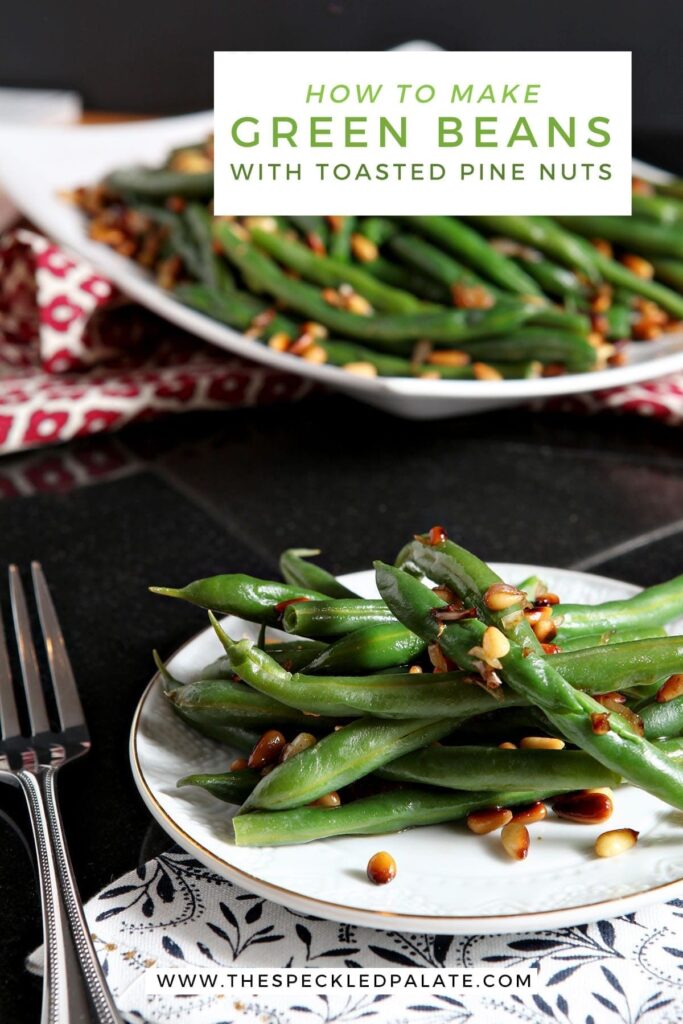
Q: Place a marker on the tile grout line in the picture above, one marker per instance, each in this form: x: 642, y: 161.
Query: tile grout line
x: 641, y: 540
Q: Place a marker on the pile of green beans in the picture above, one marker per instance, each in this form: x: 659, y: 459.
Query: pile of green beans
x: 437, y: 297
x: 376, y: 714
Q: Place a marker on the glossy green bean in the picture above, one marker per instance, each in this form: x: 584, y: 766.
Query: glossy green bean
x: 160, y: 184
x: 333, y: 617
x: 665, y: 719
x: 340, y: 758
x: 341, y: 353
x: 482, y: 768
x: 610, y: 636
x: 237, y: 594
x: 543, y: 234
x: 662, y: 209
x: 292, y: 654
x: 236, y: 308
x: 212, y: 270
x: 532, y: 675
x: 446, y: 695
x: 544, y: 345
x: 457, y: 238
x: 378, y: 229
x: 654, y: 606
x: 396, y: 332
x: 410, y: 280
x: 553, y: 278
x: 299, y: 572
x: 340, y: 239
x: 328, y: 272
x: 369, y: 649
x: 374, y: 815
x: 313, y: 228
x: 638, y: 236
x: 621, y: 666
x: 670, y: 272
x: 231, y: 787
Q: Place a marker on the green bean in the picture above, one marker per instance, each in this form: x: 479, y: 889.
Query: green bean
x: 532, y: 675
x: 392, y: 332
x: 368, y: 649
x: 663, y: 209
x: 670, y: 188
x: 429, y: 259
x: 620, y: 276
x: 464, y: 242
x: 333, y: 617
x: 236, y: 594
x: 445, y: 695
x: 340, y: 239
x: 553, y: 278
x: 314, y: 230
x: 232, y: 787
x: 619, y: 321
x: 541, y: 344
x: 378, y: 229
x: 654, y: 606
x: 610, y: 636
x: 211, y: 269
x: 341, y: 758
x: 300, y: 573
x: 160, y: 184
x: 543, y: 234
x: 341, y: 353
x: 217, y: 703
x: 621, y: 666
x: 665, y: 719
x: 670, y: 272
x: 293, y: 655
x: 533, y: 586
x: 409, y: 280
x: 324, y: 270
x: 235, y: 308
x: 481, y: 768
x: 374, y: 815
x: 636, y: 235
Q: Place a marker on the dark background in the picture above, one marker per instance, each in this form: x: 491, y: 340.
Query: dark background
x: 154, y: 57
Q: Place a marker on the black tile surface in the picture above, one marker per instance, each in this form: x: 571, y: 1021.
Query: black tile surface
x: 187, y: 497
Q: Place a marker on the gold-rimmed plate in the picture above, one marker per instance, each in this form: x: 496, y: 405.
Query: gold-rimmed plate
x: 448, y: 881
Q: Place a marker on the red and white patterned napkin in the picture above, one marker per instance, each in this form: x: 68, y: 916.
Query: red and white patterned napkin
x: 76, y: 358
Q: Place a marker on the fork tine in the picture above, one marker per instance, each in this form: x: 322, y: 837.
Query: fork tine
x: 9, y: 717
x: 27, y: 655
x: 68, y: 701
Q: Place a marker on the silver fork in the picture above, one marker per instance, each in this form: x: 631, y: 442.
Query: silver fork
x: 74, y: 988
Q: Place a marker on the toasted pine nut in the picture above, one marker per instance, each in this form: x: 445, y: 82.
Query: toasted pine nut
x: 315, y: 329
x: 482, y: 371
x: 619, y: 840
x: 673, y: 687
x: 495, y: 644
x: 361, y: 369
x: 507, y: 746
x: 239, y: 764
x: 515, y: 839
x: 268, y: 224
x: 541, y: 743
x: 381, y: 868
x: 329, y: 800
x: 267, y: 750
x: 531, y: 814
x: 471, y: 296
x: 415, y: 670
x: 331, y: 297
x: 315, y: 354
x: 584, y: 807
x: 603, y: 246
x: 280, y: 341
x: 302, y: 741
x: 638, y: 266
x: 600, y: 723
x: 488, y: 819
x: 359, y: 305
x: 500, y: 596
x: 437, y: 658
x: 448, y: 357
x: 364, y: 249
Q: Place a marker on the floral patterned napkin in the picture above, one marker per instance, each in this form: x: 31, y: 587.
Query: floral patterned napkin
x: 174, y: 913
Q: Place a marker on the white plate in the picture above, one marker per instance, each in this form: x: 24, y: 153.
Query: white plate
x: 36, y: 164
x: 448, y: 881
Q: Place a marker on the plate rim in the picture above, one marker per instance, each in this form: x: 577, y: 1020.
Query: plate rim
x: 458, y: 924
x: 392, y: 389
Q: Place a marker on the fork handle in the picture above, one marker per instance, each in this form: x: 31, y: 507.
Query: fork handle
x: 74, y: 988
